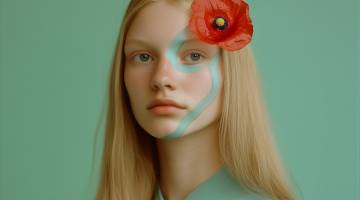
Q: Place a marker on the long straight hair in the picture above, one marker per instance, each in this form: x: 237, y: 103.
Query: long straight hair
x: 129, y: 162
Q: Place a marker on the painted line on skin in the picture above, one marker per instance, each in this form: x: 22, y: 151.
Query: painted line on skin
x: 159, y: 195
x: 213, y: 68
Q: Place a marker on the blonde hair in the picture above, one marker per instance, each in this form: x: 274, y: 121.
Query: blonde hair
x: 129, y: 165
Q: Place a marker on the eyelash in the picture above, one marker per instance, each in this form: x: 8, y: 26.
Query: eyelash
x: 201, y: 54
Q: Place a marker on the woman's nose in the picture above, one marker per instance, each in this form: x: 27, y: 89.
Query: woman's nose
x: 163, y: 76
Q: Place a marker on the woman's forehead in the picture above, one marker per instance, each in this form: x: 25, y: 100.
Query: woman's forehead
x: 158, y: 22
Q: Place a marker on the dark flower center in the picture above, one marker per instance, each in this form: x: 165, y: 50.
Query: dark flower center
x: 220, y: 23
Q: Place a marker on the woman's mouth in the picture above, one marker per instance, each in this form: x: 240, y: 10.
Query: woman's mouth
x: 165, y: 109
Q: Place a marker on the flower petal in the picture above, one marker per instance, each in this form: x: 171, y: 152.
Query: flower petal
x: 238, y: 31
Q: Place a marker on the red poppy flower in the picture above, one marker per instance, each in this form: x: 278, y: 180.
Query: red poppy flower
x: 223, y: 22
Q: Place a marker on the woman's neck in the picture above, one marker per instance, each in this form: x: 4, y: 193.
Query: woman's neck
x: 188, y: 161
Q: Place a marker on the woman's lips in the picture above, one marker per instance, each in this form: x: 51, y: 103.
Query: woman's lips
x: 165, y: 109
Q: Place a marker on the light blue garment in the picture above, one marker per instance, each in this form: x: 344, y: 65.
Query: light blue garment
x: 220, y: 186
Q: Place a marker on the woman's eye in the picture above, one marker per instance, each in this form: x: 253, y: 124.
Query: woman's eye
x: 193, y: 58
x: 142, y: 58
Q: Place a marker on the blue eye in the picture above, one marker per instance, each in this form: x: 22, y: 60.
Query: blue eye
x: 193, y: 58
x: 143, y: 58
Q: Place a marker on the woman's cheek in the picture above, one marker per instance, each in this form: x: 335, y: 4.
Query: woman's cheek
x: 198, y: 84
x: 132, y: 77
x: 131, y: 84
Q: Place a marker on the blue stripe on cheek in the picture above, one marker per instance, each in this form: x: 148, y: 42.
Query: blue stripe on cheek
x: 204, y: 103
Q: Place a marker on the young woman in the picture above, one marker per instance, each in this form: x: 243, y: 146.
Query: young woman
x: 185, y: 117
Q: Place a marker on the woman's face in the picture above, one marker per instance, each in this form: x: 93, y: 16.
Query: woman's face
x: 165, y: 62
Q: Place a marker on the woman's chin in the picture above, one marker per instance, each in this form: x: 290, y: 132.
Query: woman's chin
x: 161, y: 130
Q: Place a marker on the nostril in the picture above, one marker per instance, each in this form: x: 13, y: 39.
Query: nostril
x: 163, y: 84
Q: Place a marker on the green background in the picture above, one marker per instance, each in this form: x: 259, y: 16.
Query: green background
x: 54, y: 61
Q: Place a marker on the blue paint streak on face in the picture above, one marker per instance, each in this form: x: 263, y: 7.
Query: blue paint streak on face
x: 213, y: 68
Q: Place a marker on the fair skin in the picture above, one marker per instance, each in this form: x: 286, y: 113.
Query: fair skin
x: 193, y: 157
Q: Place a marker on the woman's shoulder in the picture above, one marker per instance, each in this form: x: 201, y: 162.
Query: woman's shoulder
x: 223, y: 186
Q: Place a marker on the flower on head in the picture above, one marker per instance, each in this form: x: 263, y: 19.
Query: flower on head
x: 223, y: 22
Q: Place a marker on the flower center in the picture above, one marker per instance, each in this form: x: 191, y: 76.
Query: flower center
x: 220, y: 23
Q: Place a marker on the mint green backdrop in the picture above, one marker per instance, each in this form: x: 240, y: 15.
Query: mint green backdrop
x: 54, y: 61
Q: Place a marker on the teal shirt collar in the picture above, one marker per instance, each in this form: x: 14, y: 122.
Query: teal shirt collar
x: 222, y: 185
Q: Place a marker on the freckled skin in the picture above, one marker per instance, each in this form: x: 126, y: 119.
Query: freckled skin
x: 205, y: 102
x: 196, y: 85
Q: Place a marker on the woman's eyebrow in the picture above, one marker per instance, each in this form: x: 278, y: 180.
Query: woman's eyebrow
x: 144, y: 42
x: 136, y: 41
x: 194, y: 41
x: 133, y: 43
x: 130, y: 42
x: 189, y: 40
